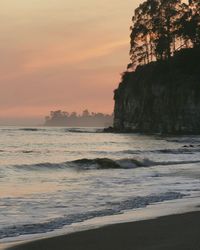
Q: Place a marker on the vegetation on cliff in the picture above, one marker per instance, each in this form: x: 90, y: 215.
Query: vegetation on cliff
x: 161, y: 97
x: 161, y: 90
x: 162, y: 27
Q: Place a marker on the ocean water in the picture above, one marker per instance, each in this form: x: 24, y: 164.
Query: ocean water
x: 51, y: 178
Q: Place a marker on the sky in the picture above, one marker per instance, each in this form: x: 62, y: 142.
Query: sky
x: 61, y: 54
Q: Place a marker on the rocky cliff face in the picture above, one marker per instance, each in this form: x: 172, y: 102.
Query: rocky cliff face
x: 161, y: 97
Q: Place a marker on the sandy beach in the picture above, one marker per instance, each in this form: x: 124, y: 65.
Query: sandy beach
x: 174, y: 232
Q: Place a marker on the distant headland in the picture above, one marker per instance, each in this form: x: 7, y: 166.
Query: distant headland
x: 160, y: 91
x: 86, y: 119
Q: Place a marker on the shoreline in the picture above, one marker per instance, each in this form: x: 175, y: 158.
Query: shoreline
x: 179, y: 231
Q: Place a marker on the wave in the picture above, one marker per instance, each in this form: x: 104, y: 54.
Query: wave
x: 91, y: 164
x: 24, y: 151
x: 101, y: 164
x: 186, y: 149
x: 182, y: 139
x: 28, y: 151
x: 84, y: 130
x: 112, y: 208
x: 32, y: 129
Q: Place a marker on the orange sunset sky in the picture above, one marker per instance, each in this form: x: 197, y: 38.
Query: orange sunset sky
x: 61, y: 54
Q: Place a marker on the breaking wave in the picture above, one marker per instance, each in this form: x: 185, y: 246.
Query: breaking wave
x: 101, y: 163
x: 112, y: 208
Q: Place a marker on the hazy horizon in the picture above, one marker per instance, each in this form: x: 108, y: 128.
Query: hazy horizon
x: 36, y: 121
x: 61, y: 55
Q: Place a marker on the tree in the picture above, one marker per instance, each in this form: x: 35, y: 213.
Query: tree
x: 73, y: 115
x: 86, y: 113
x: 194, y: 22
x: 161, y: 27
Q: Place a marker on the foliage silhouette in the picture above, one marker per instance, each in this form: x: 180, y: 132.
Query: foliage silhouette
x: 162, y: 27
x: 86, y: 119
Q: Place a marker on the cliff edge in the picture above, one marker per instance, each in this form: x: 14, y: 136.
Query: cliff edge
x: 161, y: 97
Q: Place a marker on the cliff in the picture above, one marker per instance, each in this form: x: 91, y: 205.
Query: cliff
x: 161, y: 97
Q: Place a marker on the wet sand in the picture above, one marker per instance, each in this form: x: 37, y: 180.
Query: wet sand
x: 174, y: 232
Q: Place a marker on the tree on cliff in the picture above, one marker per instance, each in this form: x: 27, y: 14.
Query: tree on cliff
x: 161, y: 27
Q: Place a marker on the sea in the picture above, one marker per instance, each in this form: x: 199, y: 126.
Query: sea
x: 59, y: 180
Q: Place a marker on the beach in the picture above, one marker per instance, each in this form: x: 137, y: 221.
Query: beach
x: 174, y: 232
x: 95, y: 155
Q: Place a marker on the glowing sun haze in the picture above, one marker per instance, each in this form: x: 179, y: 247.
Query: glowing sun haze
x: 60, y: 54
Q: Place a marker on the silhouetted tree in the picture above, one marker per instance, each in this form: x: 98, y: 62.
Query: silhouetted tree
x: 86, y: 113
x: 62, y: 118
x: 161, y: 27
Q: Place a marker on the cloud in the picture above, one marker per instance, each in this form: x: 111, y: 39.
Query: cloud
x: 59, y: 55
